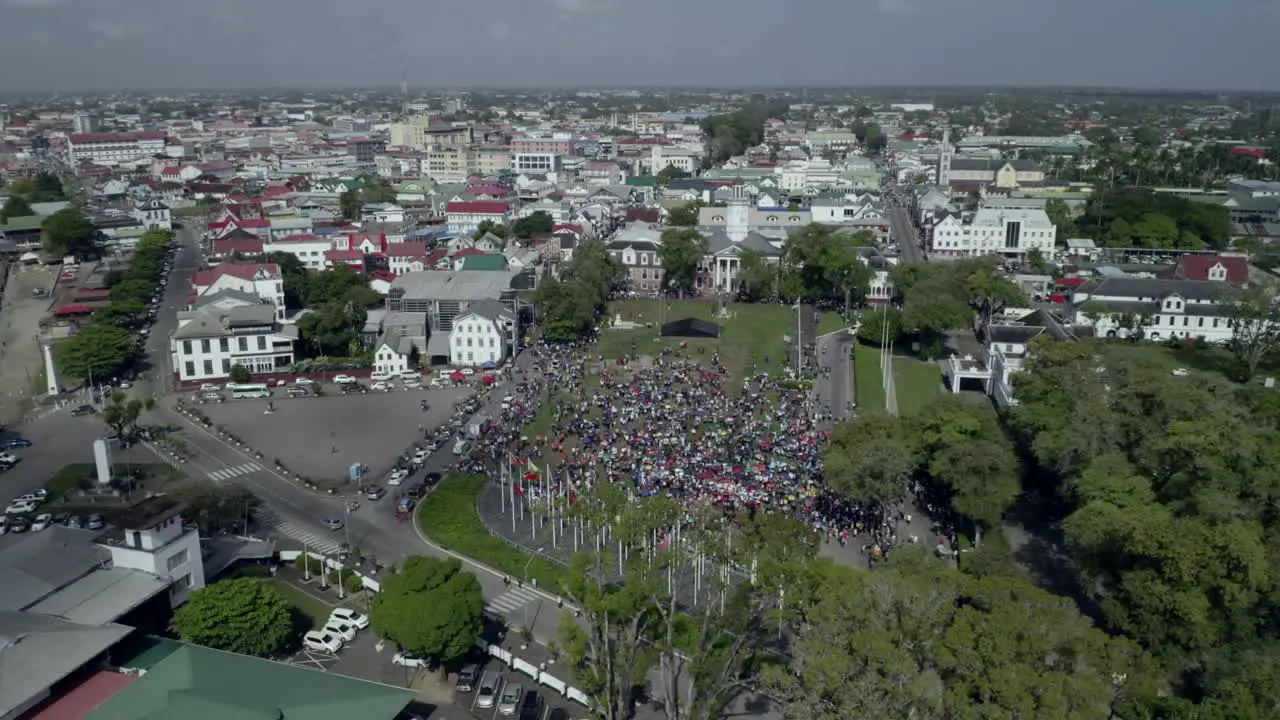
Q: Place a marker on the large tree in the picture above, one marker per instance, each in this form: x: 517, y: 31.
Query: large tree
x: 871, y: 460
x: 430, y: 607
x: 94, y: 351
x: 685, y: 215
x: 122, y: 413
x: 243, y: 616
x: 682, y: 250
x: 69, y: 232
x: 539, y: 222
x: 15, y: 206
x: 1254, y: 315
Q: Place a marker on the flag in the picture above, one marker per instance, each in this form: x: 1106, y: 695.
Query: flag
x: 532, y: 467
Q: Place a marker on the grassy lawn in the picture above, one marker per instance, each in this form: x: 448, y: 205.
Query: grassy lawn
x: 314, y: 608
x: 448, y: 516
x: 866, y: 378
x: 917, y: 384
x: 82, y: 475
x: 753, y: 335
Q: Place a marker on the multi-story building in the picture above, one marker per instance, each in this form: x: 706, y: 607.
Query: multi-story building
x: 981, y: 175
x: 261, y: 280
x: 638, y: 247
x: 553, y: 144
x: 151, y: 537
x: 1008, y: 232
x: 115, y: 148
x: 465, y: 217
x: 226, y: 330
x: 538, y: 163
x: 814, y: 173
x: 309, y: 249
x: 490, y: 160
x: 447, y: 164
x: 153, y: 214
x: 1154, y: 308
x: 482, y: 336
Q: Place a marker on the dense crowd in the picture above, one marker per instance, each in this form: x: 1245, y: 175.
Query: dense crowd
x: 672, y: 425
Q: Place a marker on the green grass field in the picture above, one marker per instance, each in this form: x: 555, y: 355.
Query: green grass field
x: 313, y: 607
x: 754, y: 335
x: 866, y: 378
x: 448, y: 516
x: 917, y: 383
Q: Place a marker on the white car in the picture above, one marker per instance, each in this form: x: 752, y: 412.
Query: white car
x: 8, y: 457
x: 356, y: 619
x: 468, y: 371
x: 397, y: 476
x: 421, y: 455
x: 346, y: 631
x: 4, y: 524
x: 379, y: 376
x: 20, y: 507
x: 303, y: 381
x: 42, y: 521
x: 409, y: 660
x: 322, y: 641
x: 1180, y: 372
x: 344, y: 379
x: 380, y: 387
x: 410, y: 375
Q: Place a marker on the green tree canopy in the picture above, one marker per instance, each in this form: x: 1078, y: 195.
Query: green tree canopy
x: 69, y: 232
x: 122, y: 413
x: 537, y: 223
x: 685, y: 215
x: 94, y: 351
x: 16, y: 206
x: 243, y: 616
x: 682, y: 250
x: 430, y: 607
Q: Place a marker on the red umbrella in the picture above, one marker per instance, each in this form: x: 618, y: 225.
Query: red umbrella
x: 489, y: 379
x: 457, y: 376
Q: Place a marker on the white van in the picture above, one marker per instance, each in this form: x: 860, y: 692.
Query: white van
x: 460, y: 447
x: 380, y: 376
x: 410, y: 375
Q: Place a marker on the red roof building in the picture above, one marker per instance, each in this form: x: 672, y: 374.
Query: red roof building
x: 1230, y: 269
x: 478, y: 207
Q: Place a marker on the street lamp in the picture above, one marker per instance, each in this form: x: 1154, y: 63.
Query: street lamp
x: 525, y: 573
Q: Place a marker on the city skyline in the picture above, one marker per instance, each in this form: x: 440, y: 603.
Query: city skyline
x: 78, y: 46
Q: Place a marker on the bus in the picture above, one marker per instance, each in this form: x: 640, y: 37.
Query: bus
x: 249, y: 390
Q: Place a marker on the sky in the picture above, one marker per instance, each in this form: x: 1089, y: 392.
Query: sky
x: 79, y: 45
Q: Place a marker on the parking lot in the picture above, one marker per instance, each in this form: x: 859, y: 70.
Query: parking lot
x: 368, y: 659
x: 320, y: 437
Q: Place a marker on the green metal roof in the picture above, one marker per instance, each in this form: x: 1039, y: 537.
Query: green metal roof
x: 642, y: 181
x: 196, y: 683
x: 26, y: 222
x: 489, y: 261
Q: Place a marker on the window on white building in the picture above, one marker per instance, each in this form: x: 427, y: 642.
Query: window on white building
x: 186, y: 347
x: 224, y: 345
x: 204, y: 346
x: 181, y: 584
x: 262, y: 342
x: 226, y: 366
x: 208, y: 367
x: 178, y: 559
x: 244, y: 344
x: 191, y: 369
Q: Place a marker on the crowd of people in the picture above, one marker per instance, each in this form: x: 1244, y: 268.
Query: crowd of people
x: 674, y: 425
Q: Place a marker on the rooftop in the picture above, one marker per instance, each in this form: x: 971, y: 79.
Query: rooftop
x: 456, y: 285
x: 37, y: 651
x: 196, y: 683
x: 39, y: 564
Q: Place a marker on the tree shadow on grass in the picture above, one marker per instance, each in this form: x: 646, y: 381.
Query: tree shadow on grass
x: 1043, y: 553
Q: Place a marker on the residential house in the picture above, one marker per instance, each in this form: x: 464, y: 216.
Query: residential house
x: 261, y: 280
x: 483, y: 335
x: 238, y: 245
x: 638, y: 247
x: 309, y: 249
x: 219, y: 335
x: 1005, y: 349
x: 1229, y: 269
x: 407, y: 257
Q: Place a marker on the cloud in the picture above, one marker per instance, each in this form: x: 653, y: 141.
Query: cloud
x: 108, y: 29
x: 583, y: 7
x: 34, y: 3
x: 499, y: 31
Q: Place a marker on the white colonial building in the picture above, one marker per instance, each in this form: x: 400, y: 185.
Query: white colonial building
x: 150, y: 537
x: 1154, y: 308
x: 1005, y: 350
x: 261, y: 280
x: 309, y: 249
x: 1008, y: 232
x: 115, y: 148
x: 483, y: 334
x: 153, y: 214
x: 229, y: 329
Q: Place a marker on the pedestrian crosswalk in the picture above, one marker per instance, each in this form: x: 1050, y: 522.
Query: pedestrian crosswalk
x: 234, y: 471
x: 313, y: 541
x: 512, y: 600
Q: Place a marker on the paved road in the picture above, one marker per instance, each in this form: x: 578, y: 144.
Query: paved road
x: 904, y: 234
x: 835, y: 390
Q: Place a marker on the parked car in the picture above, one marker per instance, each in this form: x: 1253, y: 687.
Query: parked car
x: 4, y: 524
x: 373, y: 492
x: 397, y: 476
x: 96, y: 522
x: 344, y: 379
x: 488, y: 692
x: 409, y: 660
x: 296, y: 391
x: 417, y: 492
x: 17, y: 442
x: 42, y: 521
x: 19, y: 524
x: 346, y: 631
x: 380, y: 376
x: 62, y: 519
x: 83, y: 410
x: 321, y: 641
x: 21, y: 507
x: 531, y: 708
x: 380, y: 387
x: 303, y: 381
x: 358, y: 620
x: 467, y: 679
x: 510, y: 700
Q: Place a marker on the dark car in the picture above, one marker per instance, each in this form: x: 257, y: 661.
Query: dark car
x: 417, y: 492
x: 62, y: 519
x: 375, y: 492
x: 467, y: 679
x: 17, y: 442
x: 531, y: 709
x: 76, y: 522
x: 84, y: 410
x: 95, y: 522
x: 432, y: 478
x: 558, y: 714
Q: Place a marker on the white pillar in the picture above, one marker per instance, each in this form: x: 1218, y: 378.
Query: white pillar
x: 50, y: 370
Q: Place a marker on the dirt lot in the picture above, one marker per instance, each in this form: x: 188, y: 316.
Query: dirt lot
x: 21, y: 362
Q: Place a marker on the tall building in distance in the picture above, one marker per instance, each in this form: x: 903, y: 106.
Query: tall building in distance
x: 944, y: 159
x: 83, y: 123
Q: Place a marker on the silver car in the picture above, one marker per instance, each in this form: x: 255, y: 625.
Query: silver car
x: 510, y: 701
x: 488, y: 691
